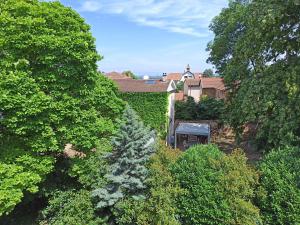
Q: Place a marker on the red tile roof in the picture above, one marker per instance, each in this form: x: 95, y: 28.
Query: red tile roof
x: 192, y: 82
x: 177, y: 76
x: 213, y: 82
x: 174, y: 76
x: 131, y: 85
x: 115, y: 76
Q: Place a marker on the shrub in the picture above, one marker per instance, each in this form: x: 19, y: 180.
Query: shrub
x: 206, y: 109
x: 159, y: 207
x: 280, y: 181
x: 219, y: 187
x: 72, y: 208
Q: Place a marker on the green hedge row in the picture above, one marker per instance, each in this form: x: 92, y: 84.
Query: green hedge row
x: 151, y: 107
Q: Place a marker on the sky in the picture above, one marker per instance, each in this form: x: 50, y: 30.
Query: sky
x: 150, y: 37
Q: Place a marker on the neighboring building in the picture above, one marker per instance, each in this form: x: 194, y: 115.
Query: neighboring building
x: 131, y: 85
x: 210, y: 86
x: 187, y: 74
x: 213, y: 87
x: 192, y: 88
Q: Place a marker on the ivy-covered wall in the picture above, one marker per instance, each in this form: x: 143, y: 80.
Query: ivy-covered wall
x: 151, y: 107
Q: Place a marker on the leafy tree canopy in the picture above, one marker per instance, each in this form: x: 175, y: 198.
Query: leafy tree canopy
x: 280, y: 199
x: 128, y: 73
x: 208, y: 73
x: 256, y: 48
x: 219, y: 188
x: 51, y: 92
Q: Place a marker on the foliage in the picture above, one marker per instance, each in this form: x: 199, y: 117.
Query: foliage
x: 91, y: 169
x: 256, y: 49
x: 280, y: 203
x: 23, y: 175
x: 206, y: 109
x: 133, y: 145
x: 51, y: 92
x: 179, y: 86
x: 219, y: 187
x: 130, y: 74
x: 151, y: 107
x: 208, y: 73
x: 159, y: 207
x: 72, y: 208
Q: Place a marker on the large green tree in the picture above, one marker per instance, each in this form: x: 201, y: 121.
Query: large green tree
x: 256, y: 48
x: 280, y: 199
x: 218, y: 188
x: 50, y: 92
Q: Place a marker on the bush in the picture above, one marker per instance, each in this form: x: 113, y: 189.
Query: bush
x: 72, y: 208
x: 159, y: 207
x: 207, y: 109
x: 219, y: 187
x: 280, y: 181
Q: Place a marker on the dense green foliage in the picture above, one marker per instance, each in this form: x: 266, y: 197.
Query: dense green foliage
x: 51, y: 92
x: 159, y: 207
x: 151, y: 107
x: 133, y: 144
x: 179, y: 86
x: 219, y: 187
x: 208, y: 73
x: 206, y: 109
x: 130, y: 74
x: 280, y: 180
x: 256, y: 48
x: 72, y: 208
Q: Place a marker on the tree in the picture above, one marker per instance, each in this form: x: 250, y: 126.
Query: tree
x: 256, y: 50
x: 179, y: 86
x: 77, y: 209
x: 51, y: 92
x: 280, y: 199
x: 133, y: 145
x: 219, y: 188
x: 159, y: 207
x: 128, y: 73
x: 186, y: 110
x: 208, y: 73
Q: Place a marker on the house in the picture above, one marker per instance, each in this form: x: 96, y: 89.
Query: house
x: 131, y: 85
x: 210, y: 86
x: 176, y: 77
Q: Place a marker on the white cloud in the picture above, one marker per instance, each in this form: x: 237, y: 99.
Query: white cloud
x: 190, y: 17
x: 90, y: 6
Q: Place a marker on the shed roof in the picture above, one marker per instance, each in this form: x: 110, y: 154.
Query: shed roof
x: 193, y: 128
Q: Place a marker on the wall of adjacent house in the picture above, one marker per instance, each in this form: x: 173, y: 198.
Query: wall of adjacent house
x: 195, y: 92
x: 210, y: 92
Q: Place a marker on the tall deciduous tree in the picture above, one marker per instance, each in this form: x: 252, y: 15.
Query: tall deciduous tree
x: 256, y: 48
x: 280, y: 199
x: 50, y: 91
x: 219, y: 188
x: 133, y: 145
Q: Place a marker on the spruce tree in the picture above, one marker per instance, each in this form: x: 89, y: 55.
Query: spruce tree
x: 133, y: 145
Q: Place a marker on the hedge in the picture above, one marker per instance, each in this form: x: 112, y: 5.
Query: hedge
x: 151, y: 107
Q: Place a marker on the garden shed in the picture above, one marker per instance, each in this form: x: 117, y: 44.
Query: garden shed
x: 188, y: 134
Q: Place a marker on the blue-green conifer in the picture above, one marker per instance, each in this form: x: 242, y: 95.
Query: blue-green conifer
x: 133, y: 145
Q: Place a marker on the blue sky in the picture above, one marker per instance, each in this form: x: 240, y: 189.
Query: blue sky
x: 149, y: 37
